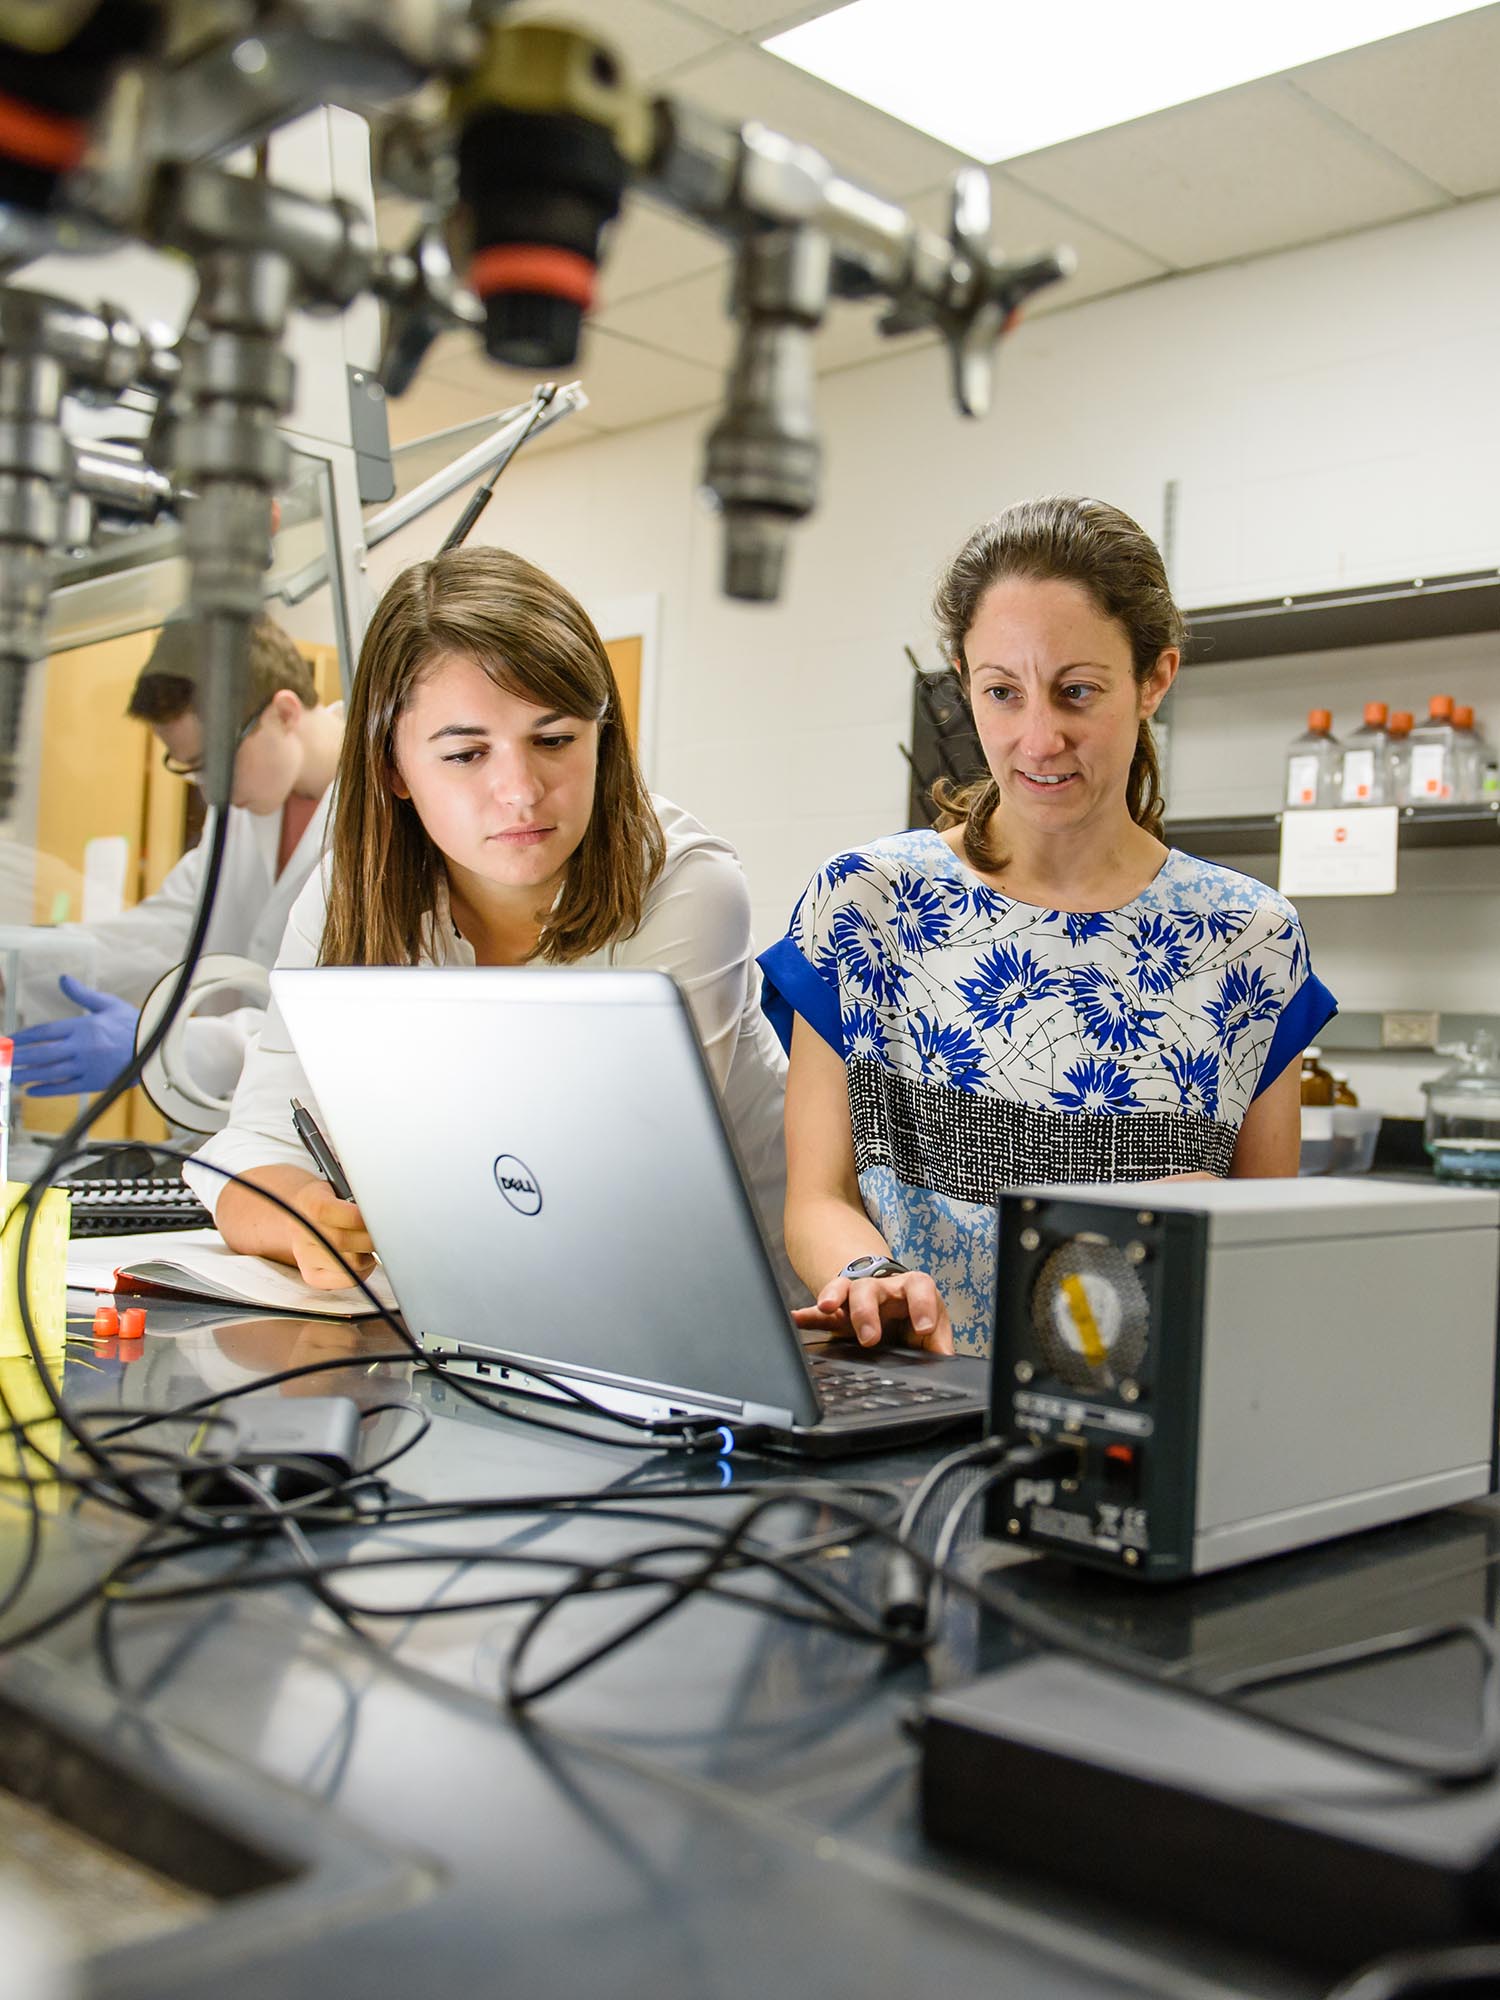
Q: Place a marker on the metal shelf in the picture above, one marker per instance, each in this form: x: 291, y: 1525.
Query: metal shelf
x: 1432, y: 607
x: 1260, y: 833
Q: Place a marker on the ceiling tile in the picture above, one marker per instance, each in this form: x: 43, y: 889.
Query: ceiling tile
x: 1429, y: 96
x: 650, y: 247
x: 689, y: 318
x: 851, y: 333
x: 650, y: 36
x: 1234, y: 175
x: 396, y: 220
x: 628, y: 383
x: 459, y: 384
x: 431, y: 404
x: 744, y: 82
x: 753, y: 17
x: 458, y: 361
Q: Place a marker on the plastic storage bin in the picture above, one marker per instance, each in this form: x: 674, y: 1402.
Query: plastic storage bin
x: 1355, y: 1132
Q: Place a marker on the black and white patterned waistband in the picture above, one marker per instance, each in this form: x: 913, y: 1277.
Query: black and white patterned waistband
x: 970, y: 1146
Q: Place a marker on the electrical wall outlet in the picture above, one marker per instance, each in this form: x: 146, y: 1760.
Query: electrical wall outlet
x: 1408, y: 1031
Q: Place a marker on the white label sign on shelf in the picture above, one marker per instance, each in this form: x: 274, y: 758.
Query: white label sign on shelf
x: 1339, y: 852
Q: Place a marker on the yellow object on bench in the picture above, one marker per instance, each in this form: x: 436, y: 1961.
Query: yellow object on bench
x: 47, y: 1272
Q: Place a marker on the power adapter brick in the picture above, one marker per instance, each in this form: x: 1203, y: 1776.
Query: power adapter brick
x: 1209, y: 1818
x: 291, y: 1446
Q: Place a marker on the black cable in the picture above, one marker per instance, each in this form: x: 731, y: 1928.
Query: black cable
x: 1056, y: 1633
x: 60, y: 1153
x: 905, y: 1584
x: 912, y: 1599
x: 981, y: 1452
x: 480, y: 498
x: 517, y: 1695
x: 1021, y: 1459
x: 57, y: 1158
x: 689, y: 1434
x: 727, y: 1553
x: 1450, y: 1771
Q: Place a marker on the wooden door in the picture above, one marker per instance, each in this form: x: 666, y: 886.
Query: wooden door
x: 625, y: 658
x: 102, y: 774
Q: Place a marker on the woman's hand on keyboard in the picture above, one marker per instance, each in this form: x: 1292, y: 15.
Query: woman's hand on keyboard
x: 906, y: 1308
x: 343, y: 1225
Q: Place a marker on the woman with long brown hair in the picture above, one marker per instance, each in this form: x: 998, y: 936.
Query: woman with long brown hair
x: 490, y: 811
x: 1039, y: 989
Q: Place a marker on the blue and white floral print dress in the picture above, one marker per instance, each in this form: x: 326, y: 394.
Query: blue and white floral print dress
x: 990, y: 1043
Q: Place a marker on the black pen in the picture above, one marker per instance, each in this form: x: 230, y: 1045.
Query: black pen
x: 322, y: 1153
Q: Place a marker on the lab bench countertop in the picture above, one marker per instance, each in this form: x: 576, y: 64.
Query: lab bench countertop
x: 723, y: 1809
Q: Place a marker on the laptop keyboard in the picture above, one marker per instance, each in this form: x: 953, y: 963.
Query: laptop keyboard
x: 847, y: 1386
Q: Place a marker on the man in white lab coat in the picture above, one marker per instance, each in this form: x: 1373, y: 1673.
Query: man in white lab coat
x: 283, y: 779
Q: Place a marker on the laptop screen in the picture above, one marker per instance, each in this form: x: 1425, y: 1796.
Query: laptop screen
x: 541, y: 1158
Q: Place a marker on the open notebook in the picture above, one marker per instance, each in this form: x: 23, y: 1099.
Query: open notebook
x: 198, y: 1264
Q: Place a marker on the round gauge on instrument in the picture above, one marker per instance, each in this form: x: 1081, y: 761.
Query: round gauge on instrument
x: 1090, y: 1314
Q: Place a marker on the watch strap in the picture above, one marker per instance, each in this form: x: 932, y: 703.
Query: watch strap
x: 874, y: 1266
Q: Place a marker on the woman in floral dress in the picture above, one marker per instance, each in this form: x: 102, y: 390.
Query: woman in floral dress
x: 1039, y: 990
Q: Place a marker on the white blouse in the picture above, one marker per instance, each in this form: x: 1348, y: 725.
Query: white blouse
x: 695, y: 926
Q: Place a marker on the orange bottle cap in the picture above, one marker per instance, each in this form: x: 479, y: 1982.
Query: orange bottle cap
x: 1440, y: 708
x: 133, y: 1322
x: 1400, y: 722
x: 1375, y: 714
x: 1463, y: 717
x: 1320, y: 721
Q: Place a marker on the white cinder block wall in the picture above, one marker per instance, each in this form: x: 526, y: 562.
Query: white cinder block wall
x: 1330, y: 415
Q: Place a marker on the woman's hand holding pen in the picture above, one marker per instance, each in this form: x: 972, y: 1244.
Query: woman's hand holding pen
x: 343, y: 1225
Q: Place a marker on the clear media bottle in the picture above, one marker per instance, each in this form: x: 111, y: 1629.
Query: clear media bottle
x: 1470, y: 755
x: 1432, y: 755
x: 1366, y: 778
x: 1398, y: 757
x: 1314, y: 764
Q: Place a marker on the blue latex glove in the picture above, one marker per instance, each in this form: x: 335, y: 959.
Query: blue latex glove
x: 84, y: 1052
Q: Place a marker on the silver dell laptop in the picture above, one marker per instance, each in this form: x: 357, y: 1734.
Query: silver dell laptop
x: 542, y: 1161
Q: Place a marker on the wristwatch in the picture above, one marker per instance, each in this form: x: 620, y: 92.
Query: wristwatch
x: 874, y: 1267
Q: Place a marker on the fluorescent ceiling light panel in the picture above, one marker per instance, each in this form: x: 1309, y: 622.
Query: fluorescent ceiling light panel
x: 997, y: 78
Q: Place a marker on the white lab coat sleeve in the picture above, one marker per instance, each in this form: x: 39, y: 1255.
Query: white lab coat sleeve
x: 260, y: 1132
x: 124, y: 955
x: 216, y: 1046
x: 696, y: 926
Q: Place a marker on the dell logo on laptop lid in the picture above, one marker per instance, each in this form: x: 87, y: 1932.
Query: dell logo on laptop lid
x: 517, y: 1183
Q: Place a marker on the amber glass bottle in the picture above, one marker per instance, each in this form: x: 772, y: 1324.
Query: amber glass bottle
x: 1317, y: 1083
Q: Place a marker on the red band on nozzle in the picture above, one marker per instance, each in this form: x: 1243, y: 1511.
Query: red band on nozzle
x: 534, y: 267
x: 40, y: 138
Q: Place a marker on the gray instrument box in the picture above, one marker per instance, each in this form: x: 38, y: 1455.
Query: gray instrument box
x: 1246, y: 1366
